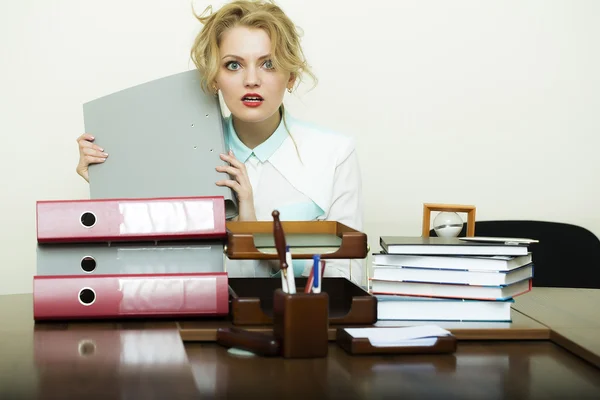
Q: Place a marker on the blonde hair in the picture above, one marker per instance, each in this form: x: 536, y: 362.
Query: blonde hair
x: 286, y: 52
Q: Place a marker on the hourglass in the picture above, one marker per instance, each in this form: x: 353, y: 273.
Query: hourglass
x: 448, y: 223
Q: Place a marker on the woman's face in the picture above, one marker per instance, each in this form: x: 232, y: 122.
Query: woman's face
x: 252, y: 89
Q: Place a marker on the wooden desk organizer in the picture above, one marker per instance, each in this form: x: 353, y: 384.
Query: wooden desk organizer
x: 355, y: 346
x: 241, y: 246
x: 301, y: 324
x: 251, y: 301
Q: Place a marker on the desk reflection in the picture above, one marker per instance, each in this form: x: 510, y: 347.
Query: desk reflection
x: 489, y: 370
x: 111, y: 363
x: 220, y: 374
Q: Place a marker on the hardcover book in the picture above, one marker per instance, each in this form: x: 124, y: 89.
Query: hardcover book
x: 448, y: 246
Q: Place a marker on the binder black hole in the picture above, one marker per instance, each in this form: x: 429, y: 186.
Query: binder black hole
x: 88, y: 264
x: 88, y: 219
x: 87, y: 348
x: 87, y: 296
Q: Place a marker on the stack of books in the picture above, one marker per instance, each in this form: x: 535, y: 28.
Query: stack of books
x: 450, y: 279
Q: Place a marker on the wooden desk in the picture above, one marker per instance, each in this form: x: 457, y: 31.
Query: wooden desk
x: 522, y: 328
x: 148, y: 360
x: 572, y: 315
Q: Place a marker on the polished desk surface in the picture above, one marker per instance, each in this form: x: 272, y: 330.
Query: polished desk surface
x: 521, y: 327
x: 149, y: 360
x: 561, y: 307
x: 573, y: 315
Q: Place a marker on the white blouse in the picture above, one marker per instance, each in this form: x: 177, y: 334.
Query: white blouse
x: 315, y: 176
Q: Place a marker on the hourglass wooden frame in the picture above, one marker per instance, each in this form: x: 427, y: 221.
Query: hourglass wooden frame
x: 429, y: 207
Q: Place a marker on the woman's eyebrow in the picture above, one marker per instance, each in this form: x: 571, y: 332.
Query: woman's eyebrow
x: 242, y: 59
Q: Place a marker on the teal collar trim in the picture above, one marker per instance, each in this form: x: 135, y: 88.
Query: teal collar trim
x: 263, y: 151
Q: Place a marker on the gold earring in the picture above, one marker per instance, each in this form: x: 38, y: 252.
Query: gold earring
x: 215, y: 89
x: 289, y: 90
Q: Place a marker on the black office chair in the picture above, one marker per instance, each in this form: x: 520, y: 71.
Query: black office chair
x: 566, y: 255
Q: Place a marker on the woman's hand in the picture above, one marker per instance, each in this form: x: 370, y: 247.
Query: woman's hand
x: 240, y: 184
x: 89, y: 153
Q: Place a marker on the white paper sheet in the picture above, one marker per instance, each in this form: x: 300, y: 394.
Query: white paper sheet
x: 424, y: 335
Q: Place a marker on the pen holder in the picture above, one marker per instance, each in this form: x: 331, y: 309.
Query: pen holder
x: 300, y: 323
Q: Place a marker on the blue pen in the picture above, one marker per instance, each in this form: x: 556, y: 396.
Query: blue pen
x: 316, y: 274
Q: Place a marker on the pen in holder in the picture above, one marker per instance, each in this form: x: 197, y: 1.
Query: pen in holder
x: 300, y: 323
x: 280, y: 245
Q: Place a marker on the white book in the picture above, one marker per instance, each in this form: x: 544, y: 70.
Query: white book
x: 436, y: 275
x: 450, y: 291
x: 491, y: 263
x: 408, y: 308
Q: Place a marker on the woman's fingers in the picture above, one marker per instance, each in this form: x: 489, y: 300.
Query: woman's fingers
x: 237, y: 170
x: 89, y: 153
x: 94, y: 153
x: 230, y: 183
x: 85, y: 141
x: 85, y: 136
x: 89, y: 145
x: 230, y: 170
x: 230, y: 158
x: 237, y: 173
x: 244, y: 192
x: 94, y: 160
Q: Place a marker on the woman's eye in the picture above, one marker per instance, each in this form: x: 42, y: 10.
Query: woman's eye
x: 232, y: 65
x: 268, y: 64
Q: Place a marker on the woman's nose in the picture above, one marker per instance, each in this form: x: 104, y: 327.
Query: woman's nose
x: 251, y: 79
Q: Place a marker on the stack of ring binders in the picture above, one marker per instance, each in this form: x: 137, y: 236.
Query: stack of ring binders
x: 150, y: 241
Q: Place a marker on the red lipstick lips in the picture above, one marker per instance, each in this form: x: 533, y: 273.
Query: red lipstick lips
x: 252, y: 100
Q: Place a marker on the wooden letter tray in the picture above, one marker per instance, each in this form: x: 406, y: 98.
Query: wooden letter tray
x: 252, y: 301
x: 330, y: 239
x: 355, y: 346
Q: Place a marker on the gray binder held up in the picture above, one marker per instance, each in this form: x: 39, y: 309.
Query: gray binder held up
x: 163, y: 138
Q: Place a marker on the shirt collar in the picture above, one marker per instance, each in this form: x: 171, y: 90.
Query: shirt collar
x: 263, y: 151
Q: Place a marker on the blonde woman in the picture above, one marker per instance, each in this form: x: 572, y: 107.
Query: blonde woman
x: 250, y: 52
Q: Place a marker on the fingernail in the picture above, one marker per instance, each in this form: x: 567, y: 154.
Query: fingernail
x: 105, y: 154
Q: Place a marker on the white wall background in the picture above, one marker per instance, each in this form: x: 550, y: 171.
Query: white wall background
x: 491, y: 103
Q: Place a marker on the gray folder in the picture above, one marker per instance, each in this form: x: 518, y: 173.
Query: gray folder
x: 163, y: 138
x: 130, y: 258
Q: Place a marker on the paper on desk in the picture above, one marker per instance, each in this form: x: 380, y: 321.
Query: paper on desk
x: 424, y: 335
